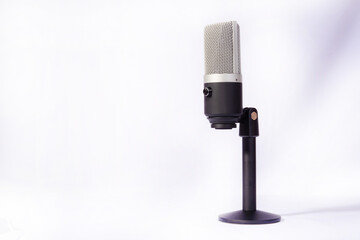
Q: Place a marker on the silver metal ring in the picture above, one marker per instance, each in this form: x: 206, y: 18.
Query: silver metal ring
x: 224, y: 77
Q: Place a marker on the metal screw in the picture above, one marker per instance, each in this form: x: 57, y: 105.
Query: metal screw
x: 253, y: 115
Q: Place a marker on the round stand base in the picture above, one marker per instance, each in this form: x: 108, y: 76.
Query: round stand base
x: 249, y: 217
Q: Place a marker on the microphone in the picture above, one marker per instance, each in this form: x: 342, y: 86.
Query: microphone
x: 222, y: 80
x: 223, y: 108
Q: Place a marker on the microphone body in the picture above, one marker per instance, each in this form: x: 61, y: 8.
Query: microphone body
x: 222, y: 80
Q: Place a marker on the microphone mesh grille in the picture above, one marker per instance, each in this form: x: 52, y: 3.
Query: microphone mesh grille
x: 222, y: 48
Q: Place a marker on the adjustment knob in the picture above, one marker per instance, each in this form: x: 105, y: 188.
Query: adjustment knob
x: 207, y: 92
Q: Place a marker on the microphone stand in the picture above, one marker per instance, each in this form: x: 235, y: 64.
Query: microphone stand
x: 249, y: 130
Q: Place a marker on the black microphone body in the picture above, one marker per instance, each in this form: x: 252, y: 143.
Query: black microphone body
x: 223, y: 104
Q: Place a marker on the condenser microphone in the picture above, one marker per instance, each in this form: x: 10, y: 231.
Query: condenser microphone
x: 223, y: 108
x: 222, y: 80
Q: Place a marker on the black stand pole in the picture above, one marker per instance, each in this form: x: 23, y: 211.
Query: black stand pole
x: 249, y: 130
x: 249, y: 173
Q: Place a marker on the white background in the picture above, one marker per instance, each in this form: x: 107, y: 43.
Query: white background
x: 102, y: 132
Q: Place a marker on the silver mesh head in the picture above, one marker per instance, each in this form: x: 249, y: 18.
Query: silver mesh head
x: 222, y: 48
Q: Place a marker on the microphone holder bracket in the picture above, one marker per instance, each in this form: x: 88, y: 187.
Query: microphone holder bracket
x: 249, y: 130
